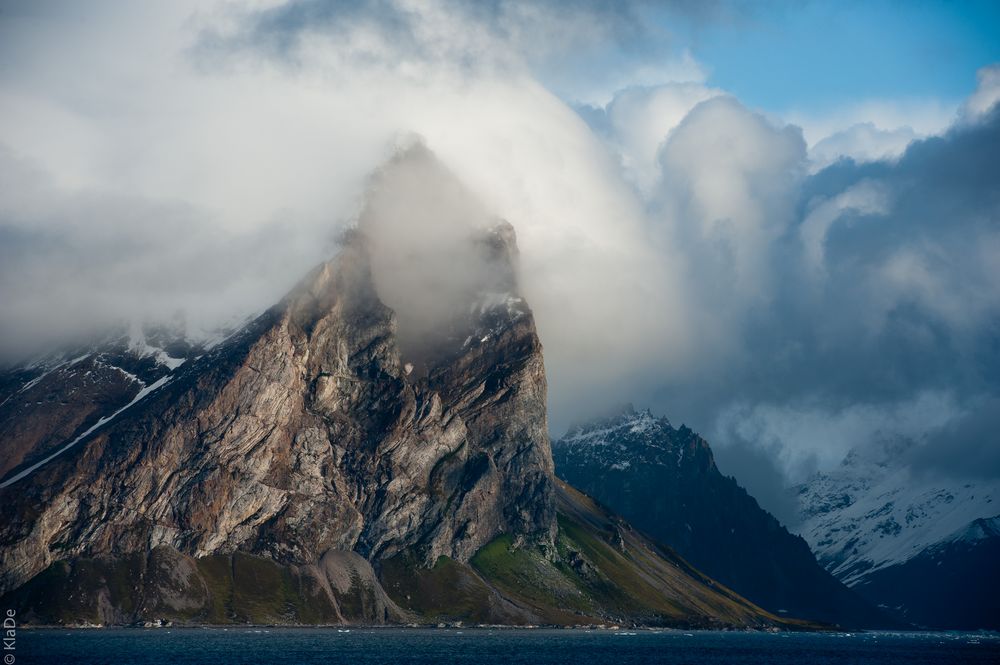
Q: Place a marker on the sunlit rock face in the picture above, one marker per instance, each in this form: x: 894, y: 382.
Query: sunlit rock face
x: 309, y: 431
x: 328, y: 423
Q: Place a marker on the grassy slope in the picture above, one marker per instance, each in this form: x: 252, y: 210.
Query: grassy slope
x: 600, y: 571
x: 235, y: 588
x: 603, y: 570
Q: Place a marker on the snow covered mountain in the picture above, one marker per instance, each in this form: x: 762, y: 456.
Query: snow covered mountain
x: 664, y: 480
x: 879, y: 527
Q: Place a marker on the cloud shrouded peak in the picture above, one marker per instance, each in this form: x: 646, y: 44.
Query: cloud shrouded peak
x: 426, y: 236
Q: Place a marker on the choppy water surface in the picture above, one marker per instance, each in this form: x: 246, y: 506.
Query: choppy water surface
x: 502, y: 647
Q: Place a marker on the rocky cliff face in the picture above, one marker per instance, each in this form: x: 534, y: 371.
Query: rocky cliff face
x: 309, y: 432
x: 51, y: 400
x: 338, y: 460
x: 664, y: 480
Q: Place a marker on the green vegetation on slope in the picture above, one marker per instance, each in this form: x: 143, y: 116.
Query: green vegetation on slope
x: 449, y: 591
x: 599, y: 571
x: 219, y: 589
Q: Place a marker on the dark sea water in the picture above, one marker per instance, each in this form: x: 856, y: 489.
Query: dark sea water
x: 171, y: 646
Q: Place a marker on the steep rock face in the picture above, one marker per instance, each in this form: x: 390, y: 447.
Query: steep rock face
x: 597, y: 570
x: 664, y: 480
x: 372, y: 449
x: 304, y: 433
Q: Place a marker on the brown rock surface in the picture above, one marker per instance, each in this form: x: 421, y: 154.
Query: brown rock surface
x: 305, y: 433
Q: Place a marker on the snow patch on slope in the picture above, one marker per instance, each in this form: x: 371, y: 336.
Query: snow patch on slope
x: 138, y: 345
x: 602, y: 432
x: 93, y: 428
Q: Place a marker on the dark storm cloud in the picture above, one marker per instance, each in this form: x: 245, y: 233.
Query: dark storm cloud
x: 577, y: 48
x: 279, y: 29
x: 909, y: 298
x: 968, y: 447
x: 885, y: 293
x: 281, y: 26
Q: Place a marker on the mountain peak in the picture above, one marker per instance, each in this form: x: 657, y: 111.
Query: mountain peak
x: 307, y: 431
x: 980, y: 529
x: 438, y: 259
x: 619, y: 418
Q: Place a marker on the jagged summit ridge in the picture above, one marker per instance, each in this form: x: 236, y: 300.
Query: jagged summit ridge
x: 633, y: 437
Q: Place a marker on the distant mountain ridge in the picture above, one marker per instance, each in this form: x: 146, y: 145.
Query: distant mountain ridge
x: 921, y: 547
x: 664, y: 480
